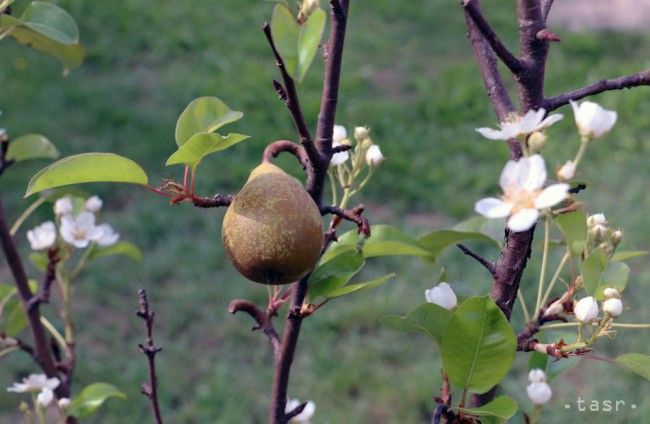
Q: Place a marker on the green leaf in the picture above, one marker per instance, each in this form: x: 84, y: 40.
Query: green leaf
x: 637, y: 362
x: 123, y: 248
x: 51, y: 21
x: 335, y: 273
x: 386, y: 240
x: 309, y: 39
x: 91, y: 398
x: 429, y: 318
x: 6, y: 292
x: 598, y: 275
x: 70, y: 55
x: 493, y: 228
x: 537, y: 360
x: 87, y: 168
x: 39, y: 260
x: 203, y: 115
x: 31, y: 146
x: 557, y: 368
x: 202, y: 144
x: 501, y: 407
x: 478, y: 346
x: 16, y: 318
x: 286, y: 31
x: 297, y: 44
x: 438, y: 241
x: 351, y: 288
x: 573, y: 226
x: 592, y: 268
x: 628, y: 254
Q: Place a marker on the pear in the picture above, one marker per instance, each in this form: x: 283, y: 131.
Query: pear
x: 272, y: 230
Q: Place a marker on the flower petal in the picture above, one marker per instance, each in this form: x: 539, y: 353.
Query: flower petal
x: 491, y: 134
x: 531, y: 121
x: 606, y: 121
x: 491, y: 207
x: 523, y: 220
x: 550, y: 120
x: 551, y: 196
x: 508, y: 178
x: 531, y: 173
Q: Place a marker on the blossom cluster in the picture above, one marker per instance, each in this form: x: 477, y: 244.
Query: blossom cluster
x: 78, y: 230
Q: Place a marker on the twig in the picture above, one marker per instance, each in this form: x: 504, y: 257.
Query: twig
x: 4, y: 147
x: 274, y: 149
x: 289, y: 96
x: 295, y: 411
x: 490, y: 266
x: 42, y: 353
x: 43, y: 296
x: 179, y: 193
x: 19, y: 344
x: 629, y: 81
x: 149, y: 389
x: 262, y: 319
x: 213, y: 202
x: 353, y: 215
x: 315, y: 185
x: 546, y: 8
x: 474, y: 12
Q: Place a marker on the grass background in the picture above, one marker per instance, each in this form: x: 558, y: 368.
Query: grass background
x: 408, y: 74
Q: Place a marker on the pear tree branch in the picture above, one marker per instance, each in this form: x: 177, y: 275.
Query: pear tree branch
x: 628, y: 81
x: 274, y: 149
x: 263, y: 319
x: 150, y: 389
x: 353, y: 215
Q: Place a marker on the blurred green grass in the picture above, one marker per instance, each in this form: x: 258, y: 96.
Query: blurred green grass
x: 408, y: 74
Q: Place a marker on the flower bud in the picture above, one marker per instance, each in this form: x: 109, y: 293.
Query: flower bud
x: 592, y: 120
x: 339, y: 135
x: 64, y: 403
x: 617, y: 236
x: 442, y: 295
x: 613, y: 306
x: 610, y: 292
x: 361, y: 133
x: 566, y: 171
x: 536, y: 141
x: 539, y: 393
x: 93, y: 204
x: 597, y: 233
x: 374, y: 156
x: 586, y: 310
x: 596, y: 219
x: 63, y: 206
x: 536, y: 375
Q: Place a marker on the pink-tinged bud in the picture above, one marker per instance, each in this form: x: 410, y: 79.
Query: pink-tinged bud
x: 610, y: 292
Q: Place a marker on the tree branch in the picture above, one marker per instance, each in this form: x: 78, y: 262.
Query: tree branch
x: 149, y: 389
x: 546, y: 8
x: 490, y: 266
x: 628, y: 81
x: 315, y: 185
x: 43, y: 296
x: 289, y: 96
x: 274, y: 149
x: 353, y: 215
x: 473, y: 10
x: 4, y: 147
x: 262, y: 319
x: 42, y: 353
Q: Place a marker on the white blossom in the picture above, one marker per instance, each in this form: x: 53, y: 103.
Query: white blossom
x: 536, y: 375
x: 442, y: 295
x: 586, y: 310
x: 592, y: 119
x: 361, y: 133
x: 63, y: 206
x: 108, y: 237
x: 521, y: 126
x: 45, y: 397
x: 64, y: 403
x: 523, y: 197
x: 305, y: 416
x: 373, y: 156
x: 610, y: 292
x: 596, y: 219
x: 339, y: 134
x: 566, y: 171
x: 79, y: 231
x: 93, y: 204
x: 539, y: 393
x: 613, y: 306
x: 35, y: 383
x: 42, y: 236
